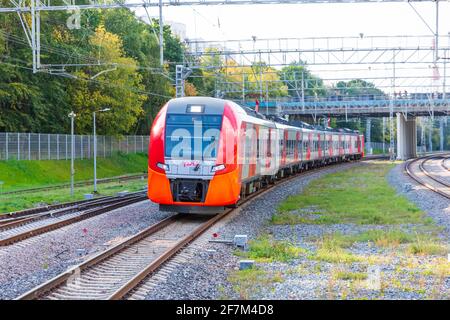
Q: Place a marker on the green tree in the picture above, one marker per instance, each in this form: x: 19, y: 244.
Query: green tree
x: 357, y: 87
x: 120, y: 90
x: 293, y: 75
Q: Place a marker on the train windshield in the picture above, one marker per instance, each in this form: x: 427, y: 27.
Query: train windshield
x: 192, y: 136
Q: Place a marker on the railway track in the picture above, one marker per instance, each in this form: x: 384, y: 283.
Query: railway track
x: 77, y: 184
x: 418, y: 171
x: 18, y: 228
x: 16, y: 215
x: 444, y: 164
x: 118, y: 271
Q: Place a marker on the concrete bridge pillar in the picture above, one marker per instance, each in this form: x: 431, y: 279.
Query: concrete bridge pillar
x: 406, y: 137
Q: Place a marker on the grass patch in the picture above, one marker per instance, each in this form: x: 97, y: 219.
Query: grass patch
x: 246, y: 281
x: 334, y: 256
x: 359, y: 195
x: 28, y: 174
x: 385, y: 238
x: 267, y: 249
x: 291, y: 218
x: 330, y: 250
x: 382, y: 238
x: 439, y: 267
x: 427, y: 247
x: 349, y: 275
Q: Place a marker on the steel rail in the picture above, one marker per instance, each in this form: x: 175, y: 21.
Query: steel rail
x: 53, y: 226
x: 27, y: 212
x: 9, y: 223
x: 168, y: 254
x: 428, y: 174
x: 16, y: 215
x: 153, y: 266
x: 156, y: 263
x: 63, y: 277
x: 443, y: 165
x: 420, y: 181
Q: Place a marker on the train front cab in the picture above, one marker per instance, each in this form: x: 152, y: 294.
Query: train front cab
x: 192, y: 168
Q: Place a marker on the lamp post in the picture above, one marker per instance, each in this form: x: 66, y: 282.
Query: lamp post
x: 72, y: 116
x: 95, y: 149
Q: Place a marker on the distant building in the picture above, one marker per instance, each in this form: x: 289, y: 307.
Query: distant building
x: 178, y: 28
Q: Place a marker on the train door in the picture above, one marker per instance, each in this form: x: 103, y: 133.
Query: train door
x: 260, y: 151
x: 309, y: 146
x: 305, y: 155
x: 269, y: 151
x: 283, y: 140
x: 358, y: 143
x: 362, y: 145
x: 319, y: 147
x: 243, y: 156
x: 330, y: 145
x: 249, y: 163
x: 314, y: 149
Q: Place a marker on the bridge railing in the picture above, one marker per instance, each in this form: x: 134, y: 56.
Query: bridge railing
x: 296, y: 104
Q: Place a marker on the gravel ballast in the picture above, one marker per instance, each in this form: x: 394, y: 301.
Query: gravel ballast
x: 202, y: 271
x: 33, y: 261
x: 206, y: 274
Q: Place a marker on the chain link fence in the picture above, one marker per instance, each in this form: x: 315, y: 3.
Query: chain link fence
x: 376, y: 147
x: 41, y: 146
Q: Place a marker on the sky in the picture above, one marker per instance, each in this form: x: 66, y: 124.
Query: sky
x: 307, y: 20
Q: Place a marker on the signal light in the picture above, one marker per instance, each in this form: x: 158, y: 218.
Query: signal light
x: 163, y: 166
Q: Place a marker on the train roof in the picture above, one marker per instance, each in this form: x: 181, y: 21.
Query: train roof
x: 210, y: 105
x: 216, y: 106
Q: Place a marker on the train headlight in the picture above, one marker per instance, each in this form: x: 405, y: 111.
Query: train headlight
x: 163, y: 166
x: 195, y: 109
x: 218, y: 168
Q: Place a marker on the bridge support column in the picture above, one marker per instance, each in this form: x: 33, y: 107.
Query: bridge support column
x: 368, y: 135
x: 406, y: 137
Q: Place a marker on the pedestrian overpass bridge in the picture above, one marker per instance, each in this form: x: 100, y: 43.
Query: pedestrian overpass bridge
x: 354, y: 108
x: 405, y: 109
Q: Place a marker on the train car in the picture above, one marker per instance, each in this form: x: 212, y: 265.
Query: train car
x: 205, y: 154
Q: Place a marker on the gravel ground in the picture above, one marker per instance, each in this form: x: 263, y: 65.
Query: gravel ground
x: 205, y: 274
x: 436, y: 206
x: 205, y: 266
x: 193, y: 280
x: 31, y: 262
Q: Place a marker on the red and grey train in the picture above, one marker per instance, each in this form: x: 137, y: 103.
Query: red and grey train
x: 206, y: 153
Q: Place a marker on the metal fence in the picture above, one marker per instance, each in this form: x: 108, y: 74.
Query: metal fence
x: 40, y: 146
x: 376, y: 147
